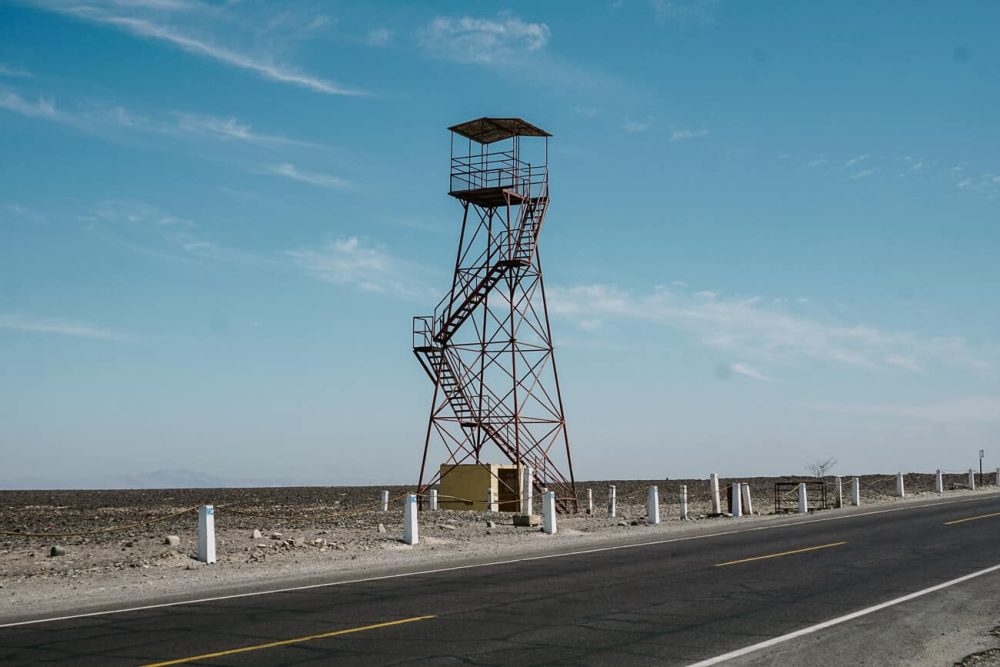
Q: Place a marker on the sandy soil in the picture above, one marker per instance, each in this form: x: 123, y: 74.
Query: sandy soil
x: 305, y: 532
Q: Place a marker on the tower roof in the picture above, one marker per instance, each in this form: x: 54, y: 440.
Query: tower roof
x: 488, y: 130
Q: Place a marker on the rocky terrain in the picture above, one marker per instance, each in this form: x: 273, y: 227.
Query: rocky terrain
x: 64, y: 548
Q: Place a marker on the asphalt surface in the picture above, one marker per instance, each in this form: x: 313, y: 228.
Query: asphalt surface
x: 661, y: 603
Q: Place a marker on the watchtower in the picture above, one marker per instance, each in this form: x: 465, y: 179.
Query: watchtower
x: 488, y: 346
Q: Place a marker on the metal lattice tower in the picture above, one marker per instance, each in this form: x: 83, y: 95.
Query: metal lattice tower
x: 488, y: 346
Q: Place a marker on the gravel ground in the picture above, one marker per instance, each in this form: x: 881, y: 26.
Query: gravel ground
x: 304, y: 531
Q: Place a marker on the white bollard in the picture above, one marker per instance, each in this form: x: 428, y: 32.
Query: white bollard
x: 939, y: 482
x: 653, y: 506
x: 855, y: 491
x: 714, y: 486
x: 684, y: 502
x: 803, y: 499
x: 411, y: 535
x: 527, y: 488
x: 206, y: 534
x: 385, y: 501
x: 736, y: 507
x: 491, y: 505
x: 590, y: 501
x: 840, y: 492
x: 612, y: 509
x: 747, y: 500
x: 998, y: 477
x: 900, y: 489
x: 549, y: 512
x: 434, y: 500
x: 972, y: 479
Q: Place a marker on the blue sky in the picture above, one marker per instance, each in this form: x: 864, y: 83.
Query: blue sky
x: 774, y: 234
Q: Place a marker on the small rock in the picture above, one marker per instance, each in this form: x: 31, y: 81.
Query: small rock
x: 193, y: 565
x: 381, y: 528
x: 623, y: 523
x: 491, y: 524
x: 129, y: 544
x: 172, y: 541
x: 57, y: 551
x: 255, y: 535
x: 319, y: 542
x: 447, y: 526
x: 275, y: 536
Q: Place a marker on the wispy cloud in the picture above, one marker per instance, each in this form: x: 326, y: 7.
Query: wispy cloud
x: 855, y: 160
x: 145, y: 27
x: 685, y: 134
x: 379, y: 37
x: 289, y: 170
x: 699, y: 12
x: 968, y: 410
x: 6, y: 70
x: 763, y: 330
x: 356, y: 262
x: 58, y: 327
x: 40, y: 108
x: 482, y: 40
x: 632, y: 126
x: 742, y: 369
x: 225, y: 128
x: 864, y: 173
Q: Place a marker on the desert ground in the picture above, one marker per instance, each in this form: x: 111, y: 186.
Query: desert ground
x: 111, y: 546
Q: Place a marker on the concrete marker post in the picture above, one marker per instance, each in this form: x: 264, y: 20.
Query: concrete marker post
x: 840, y: 492
x: 653, y: 506
x: 411, y: 533
x: 385, y: 501
x: 684, y: 502
x: 206, y: 534
x: 714, y: 487
x: 998, y: 477
x: 590, y: 501
x: 803, y: 499
x: 434, y: 500
x: 490, y: 500
x: 527, y: 488
x: 856, y: 492
x: 900, y: 488
x: 972, y: 479
x: 549, y: 513
x: 736, y: 508
x: 747, y: 500
x: 612, y: 509
x: 939, y: 482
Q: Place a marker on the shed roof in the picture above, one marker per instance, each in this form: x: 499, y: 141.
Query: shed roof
x: 488, y: 130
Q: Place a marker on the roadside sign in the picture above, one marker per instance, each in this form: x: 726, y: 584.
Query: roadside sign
x: 982, y: 453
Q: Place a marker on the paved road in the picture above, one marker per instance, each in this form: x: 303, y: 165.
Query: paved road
x: 671, y: 602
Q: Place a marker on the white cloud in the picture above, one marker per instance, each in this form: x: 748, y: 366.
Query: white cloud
x: 864, y: 173
x: 289, y: 170
x: 634, y: 126
x: 262, y: 65
x: 746, y: 370
x: 42, y: 108
x: 855, y: 160
x: 818, y: 162
x: 484, y: 41
x: 357, y: 263
x: 684, y: 134
x: 379, y: 37
x: 963, y: 411
x: 225, y: 128
x: 59, y: 327
x: 12, y: 71
x: 763, y: 330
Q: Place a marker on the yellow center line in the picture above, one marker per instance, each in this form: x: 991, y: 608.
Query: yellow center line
x: 783, y: 553
x: 286, y: 642
x: 971, y: 518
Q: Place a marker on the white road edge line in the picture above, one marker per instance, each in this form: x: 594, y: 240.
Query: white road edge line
x: 473, y: 566
x: 840, y: 619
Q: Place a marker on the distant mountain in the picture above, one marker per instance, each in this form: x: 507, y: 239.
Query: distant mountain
x: 158, y: 479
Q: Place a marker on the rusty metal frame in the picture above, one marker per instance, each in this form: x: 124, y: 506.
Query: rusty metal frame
x: 488, y: 345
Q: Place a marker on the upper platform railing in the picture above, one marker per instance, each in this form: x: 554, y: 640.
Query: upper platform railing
x: 498, y: 169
